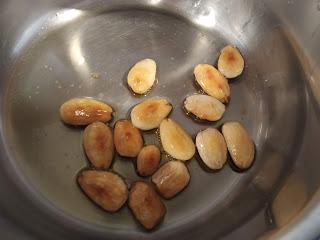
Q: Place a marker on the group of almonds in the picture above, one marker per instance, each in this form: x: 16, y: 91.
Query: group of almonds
x: 107, y: 189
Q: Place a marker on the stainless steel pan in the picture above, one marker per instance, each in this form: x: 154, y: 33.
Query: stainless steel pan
x: 54, y: 50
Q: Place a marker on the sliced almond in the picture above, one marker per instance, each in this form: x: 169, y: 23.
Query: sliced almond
x: 106, y: 189
x: 175, y: 140
x: 230, y: 62
x: 98, y: 144
x: 83, y: 111
x: 239, y: 143
x: 149, y: 114
x: 212, y: 82
x: 171, y: 178
x: 142, y: 76
x: 146, y: 205
x: 148, y: 160
x: 204, y: 107
x: 127, y: 139
x: 212, y: 148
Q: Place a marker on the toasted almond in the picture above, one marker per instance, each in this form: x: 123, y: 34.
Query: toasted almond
x: 98, y: 144
x: 146, y: 205
x: 142, y: 76
x: 212, y: 82
x: 204, y: 107
x: 83, y: 111
x: 230, y: 62
x: 175, y: 140
x: 212, y: 148
x: 106, y: 189
x: 149, y: 113
x: 148, y: 160
x: 239, y: 143
x: 127, y: 139
x: 171, y: 178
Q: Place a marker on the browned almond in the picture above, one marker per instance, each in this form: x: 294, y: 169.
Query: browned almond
x: 148, y: 160
x: 230, y: 62
x: 98, y: 144
x: 171, y: 178
x: 127, y: 139
x: 176, y: 141
x: 83, y: 111
x: 212, y: 82
x: 106, y: 189
x: 149, y: 113
x: 146, y: 205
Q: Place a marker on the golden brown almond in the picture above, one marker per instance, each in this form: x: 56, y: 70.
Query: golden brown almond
x: 149, y: 114
x: 204, y: 107
x: 175, y: 140
x: 230, y: 62
x: 127, y: 139
x: 106, y: 189
x: 83, y: 111
x: 239, y: 143
x: 148, y: 160
x: 171, y: 178
x: 212, y: 82
x: 146, y: 205
x: 142, y: 76
x: 212, y: 148
x: 98, y: 144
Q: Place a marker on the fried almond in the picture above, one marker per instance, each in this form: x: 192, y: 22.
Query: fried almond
x: 83, y: 111
x: 127, y: 139
x: 204, y: 107
x: 149, y: 114
x: 239, y: 143
x: 212, y: 82
x: 171, y: 178
x: 148, y: 160
x: 106, y: 189
x: 175, y: 140
x: 98, y: 144
x: 146, y: 205
x: 142, y: 76
x: 230, y: 62
x: 212, y: 148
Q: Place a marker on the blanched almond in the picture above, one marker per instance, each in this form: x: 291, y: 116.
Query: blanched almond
x: 212, y: 82
x: 239, y: 143
x: 171, y: 178
x: 204, y: 107
x: 148, y: 160
x: 127, y: 139
x: 146, y: 205
x: 98, y: 144
x: 142, y: 76
x: 175, y: 140
x: 212, y: 148
x: 83, y: 111
x: 149, y: 114
x: 106, y: 189
x: 230, y: 62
